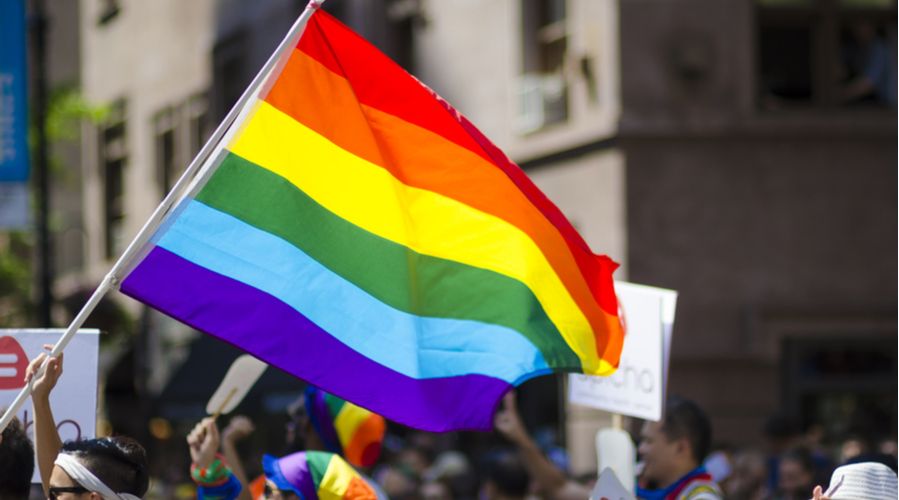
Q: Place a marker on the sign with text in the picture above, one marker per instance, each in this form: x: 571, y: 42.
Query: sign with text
x: 74, y: 399
x: 638, y: 387
x: 13, y: 117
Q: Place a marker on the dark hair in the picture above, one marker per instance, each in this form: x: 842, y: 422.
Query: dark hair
x: 120, y: 462
x: 685, y: 419
x: 801, y: 456
x: 16, y: 462
x: 506, y: 471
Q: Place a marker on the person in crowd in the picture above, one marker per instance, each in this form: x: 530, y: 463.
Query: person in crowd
x: 435, y: 490
x: 306, y: 475
x: 673, y: 451
x: 868, y: 480
x: 550, y: 482
x: 855, y: 444
x: 319, y: 421
x: 781, y: 433
x: 796, y: 476
x: 870, y: 64
x: 506, y: 478
x: 749, y: 477
x: 16, y: 462
x: 104, y: 468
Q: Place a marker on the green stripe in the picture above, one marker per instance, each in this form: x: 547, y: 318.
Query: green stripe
x: 318, y: 465
x: 402, y: 278
x: 334, y: 405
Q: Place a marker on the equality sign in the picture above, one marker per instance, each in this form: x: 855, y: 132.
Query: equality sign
x: 74, y: 399
x: 638, y: 387
x: 13, y: 117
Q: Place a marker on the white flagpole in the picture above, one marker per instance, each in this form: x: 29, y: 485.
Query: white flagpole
x: 203, y: 159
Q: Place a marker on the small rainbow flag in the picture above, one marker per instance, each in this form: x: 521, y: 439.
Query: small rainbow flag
x: 317, y: 475
x: 352, y: 432
x: 362, y: 235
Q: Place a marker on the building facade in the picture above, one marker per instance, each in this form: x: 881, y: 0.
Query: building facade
x: 762, y: 188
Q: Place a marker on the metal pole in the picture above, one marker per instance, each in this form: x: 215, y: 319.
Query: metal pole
x: 112, y: 278
x: 39, y: 86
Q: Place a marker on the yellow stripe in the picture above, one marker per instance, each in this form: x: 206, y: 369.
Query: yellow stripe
x: 371, y: 198
x: 347, y: 421
x: 336, y: 480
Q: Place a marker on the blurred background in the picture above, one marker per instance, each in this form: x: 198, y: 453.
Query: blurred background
x: 741, y: 152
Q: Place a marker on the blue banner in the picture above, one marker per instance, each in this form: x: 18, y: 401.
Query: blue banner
x: 13, y: 116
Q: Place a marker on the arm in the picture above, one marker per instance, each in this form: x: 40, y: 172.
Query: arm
x: 212, y: 475
x: 550, y: 480
x: 46, y: 439
x: 238, y: 428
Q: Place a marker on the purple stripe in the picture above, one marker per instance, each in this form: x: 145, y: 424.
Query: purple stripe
x: 322, y: 420
x: 279, y: 335
x: 295, y: 469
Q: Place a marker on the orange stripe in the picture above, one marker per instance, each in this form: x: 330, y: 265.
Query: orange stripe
x: 435, y: 164
x: 365, y: 445
x: 358, y: 489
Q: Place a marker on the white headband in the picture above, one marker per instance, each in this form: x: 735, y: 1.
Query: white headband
x: 86, y: 479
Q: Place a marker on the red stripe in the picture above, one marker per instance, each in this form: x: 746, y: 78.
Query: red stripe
x: 382, y: 84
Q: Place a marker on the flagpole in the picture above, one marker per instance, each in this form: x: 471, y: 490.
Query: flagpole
x: 213, y: 144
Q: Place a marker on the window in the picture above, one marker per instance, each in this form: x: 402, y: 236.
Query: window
x: 198, y: 126
x: 113, y: 154
x: 165, y: 150
x: 543, y: 89
x: 179, y: 132
x: 399, y: 37
x: 847, y: 384
x: 826, y: 53
x: 231, y: 72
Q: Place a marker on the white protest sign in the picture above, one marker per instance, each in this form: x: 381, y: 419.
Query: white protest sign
x: 243, y: 373
x: 74, y: 399
x: 609, y: 487
x: 638, y: 387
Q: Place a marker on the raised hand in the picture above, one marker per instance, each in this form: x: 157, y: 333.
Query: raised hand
x: 204, y: 441
x: 44, y: 383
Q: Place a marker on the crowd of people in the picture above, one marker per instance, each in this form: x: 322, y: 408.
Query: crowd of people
x: 335, y: 449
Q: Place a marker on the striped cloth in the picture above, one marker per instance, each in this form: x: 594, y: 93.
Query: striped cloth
x: 362, y: 235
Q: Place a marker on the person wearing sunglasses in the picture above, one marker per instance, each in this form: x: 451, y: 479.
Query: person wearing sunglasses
x: 113, y: 468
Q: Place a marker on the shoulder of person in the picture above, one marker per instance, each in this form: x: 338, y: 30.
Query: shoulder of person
x: 701, y: 490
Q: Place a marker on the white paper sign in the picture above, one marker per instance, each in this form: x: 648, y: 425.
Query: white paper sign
x: 74, y: 399
x: 609, y: 487
x: 638, y: 387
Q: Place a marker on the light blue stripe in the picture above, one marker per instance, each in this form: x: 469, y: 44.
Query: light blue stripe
x: 415, y: 346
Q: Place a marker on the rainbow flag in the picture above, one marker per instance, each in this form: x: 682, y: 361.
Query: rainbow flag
x: 317, y: 475
x: 362, y: 235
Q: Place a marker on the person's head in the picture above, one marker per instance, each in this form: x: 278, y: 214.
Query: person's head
x: 16, y: 462
x: 868, y: 480
x: 506, y: 477
x: 748, y: 477
x: 117, y: 463
x: 864, y: 31
x: 854, y: 445
x: 311, y: 475
x: 325, y: 422
x: 435, y: 490
x: 796, y: 473
x: 677, y: 444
